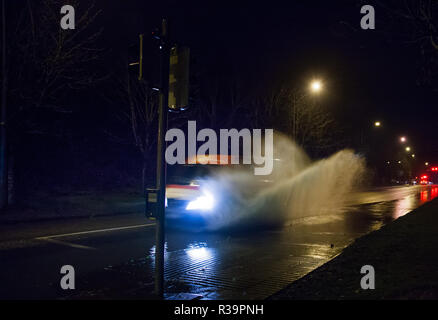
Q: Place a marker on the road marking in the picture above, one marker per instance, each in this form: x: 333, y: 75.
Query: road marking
x: 94, y: 231
x: 73, y: 245
x: 311, y: 245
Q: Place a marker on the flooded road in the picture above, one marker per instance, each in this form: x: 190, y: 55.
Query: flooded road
x: 256, y: 265
x: 116, y: 253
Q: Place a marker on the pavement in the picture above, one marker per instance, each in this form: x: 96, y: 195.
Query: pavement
x: 402, y: 255
x: 113, y: 255
x: 46, y: 206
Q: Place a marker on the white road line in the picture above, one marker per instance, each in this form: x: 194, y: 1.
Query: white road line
x: 95, y: 231
x: 73, y: 245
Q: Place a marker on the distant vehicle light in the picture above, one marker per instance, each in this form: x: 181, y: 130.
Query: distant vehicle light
x: 204, y: 202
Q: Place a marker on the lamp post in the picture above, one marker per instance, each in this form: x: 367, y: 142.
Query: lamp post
x: 315, y: 87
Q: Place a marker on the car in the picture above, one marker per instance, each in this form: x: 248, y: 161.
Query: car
x: 209, y: 196
x: 190, y: 194
x: 429, y: 177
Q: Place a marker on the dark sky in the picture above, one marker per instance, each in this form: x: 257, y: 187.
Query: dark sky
x: 368, y: 75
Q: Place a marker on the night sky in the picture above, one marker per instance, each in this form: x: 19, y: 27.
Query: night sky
x: 370, y: 73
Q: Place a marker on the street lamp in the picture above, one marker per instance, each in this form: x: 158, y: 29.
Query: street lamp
x: 413, y: 155
x: 377, y: 124
x: 408, y: 149
x: 426, y: 164
x: 315, y: 86
x: 403, y: 139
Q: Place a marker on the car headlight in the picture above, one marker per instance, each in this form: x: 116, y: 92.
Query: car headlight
x: 204, y: 202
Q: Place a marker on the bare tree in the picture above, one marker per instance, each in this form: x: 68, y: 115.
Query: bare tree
x: 46, y: 60
x: 140, y: 109
x: 222, y: 99
x: 46, y: 64
x: 416, y: 20
x: 412, y: 23
x: 309, y: 123
x: 296, y: 114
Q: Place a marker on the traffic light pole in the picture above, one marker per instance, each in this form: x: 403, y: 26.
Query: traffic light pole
x: 161, y: 163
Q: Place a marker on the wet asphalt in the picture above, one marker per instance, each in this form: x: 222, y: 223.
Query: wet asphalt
x: 238, y: 264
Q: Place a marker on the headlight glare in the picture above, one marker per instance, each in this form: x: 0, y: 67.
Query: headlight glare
x: 204, y: 202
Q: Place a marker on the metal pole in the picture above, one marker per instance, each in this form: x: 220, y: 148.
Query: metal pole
x: 161, y: 163
x: 3, y: 150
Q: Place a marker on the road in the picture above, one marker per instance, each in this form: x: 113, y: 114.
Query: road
x: 113, y: 256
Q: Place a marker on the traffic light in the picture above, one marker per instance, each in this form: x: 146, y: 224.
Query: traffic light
x: 139, y: 58
x: 179, y: 78
x: 144, y: 61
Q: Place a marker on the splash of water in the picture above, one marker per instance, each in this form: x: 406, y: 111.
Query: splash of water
x: 297, y: 188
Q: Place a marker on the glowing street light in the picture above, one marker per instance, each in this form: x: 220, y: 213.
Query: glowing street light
x: 426, y: 164
x: 413, y: 155
x: 403, y: 139
x: 377, y: 124
x: 408, y: 149
x: 315, y: 86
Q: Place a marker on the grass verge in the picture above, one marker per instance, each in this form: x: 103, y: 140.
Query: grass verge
x: 48, y: 206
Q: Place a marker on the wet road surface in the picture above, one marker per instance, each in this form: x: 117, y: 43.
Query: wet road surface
x: 237, y: 265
